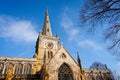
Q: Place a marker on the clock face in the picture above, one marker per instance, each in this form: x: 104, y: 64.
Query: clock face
x: 49, y: 45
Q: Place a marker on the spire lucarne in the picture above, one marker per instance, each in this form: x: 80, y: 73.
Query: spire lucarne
x: 46, y: 27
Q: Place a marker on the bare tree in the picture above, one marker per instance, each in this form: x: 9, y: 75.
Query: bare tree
x: 98, y: 13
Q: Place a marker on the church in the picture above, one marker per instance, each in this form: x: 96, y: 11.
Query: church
x: 51, y: 61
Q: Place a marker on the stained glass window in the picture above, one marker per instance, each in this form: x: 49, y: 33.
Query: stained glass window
x: 65, y: 72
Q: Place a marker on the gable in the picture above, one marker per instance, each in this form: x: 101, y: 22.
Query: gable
x: 62, y: 56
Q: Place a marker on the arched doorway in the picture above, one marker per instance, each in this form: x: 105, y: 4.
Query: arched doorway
x: 65, y: 72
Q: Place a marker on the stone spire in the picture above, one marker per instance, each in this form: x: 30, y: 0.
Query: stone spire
x: 47, y: 28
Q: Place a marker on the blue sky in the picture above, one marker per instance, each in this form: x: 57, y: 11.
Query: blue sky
x: 21, y: 20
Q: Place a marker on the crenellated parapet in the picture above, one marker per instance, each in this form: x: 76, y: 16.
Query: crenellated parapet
x: 97, y: 74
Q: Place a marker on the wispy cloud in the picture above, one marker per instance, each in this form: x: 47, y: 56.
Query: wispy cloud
x: 66, y: 21
x: 89, y: 43
x: 68, y: 24
x: 73, y: 32
x: 17, y: 30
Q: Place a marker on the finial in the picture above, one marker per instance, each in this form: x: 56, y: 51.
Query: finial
x: 47, y: 12
x: 78, y: 57
x: 57, y: 35
x: 40, y: 32
x: 106, y: 66
x: 77, y: 53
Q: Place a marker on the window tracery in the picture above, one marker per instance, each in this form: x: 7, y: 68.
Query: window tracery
x: 18, y: 69
x: 63, y: 56
x: 99, y: 77
x: 27, y: 69
x: 90, y: 76
x: 8, y: 65
x: 65, y: 72
x: 50, y: 54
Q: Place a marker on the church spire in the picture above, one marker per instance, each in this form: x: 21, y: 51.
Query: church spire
x: 46, y: 27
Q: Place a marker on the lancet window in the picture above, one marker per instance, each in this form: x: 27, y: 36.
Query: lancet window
x: 27, y: 69
x: 50, y: 54
x: 8, y: 65
x: 18, y: 69
x: 1, y: 67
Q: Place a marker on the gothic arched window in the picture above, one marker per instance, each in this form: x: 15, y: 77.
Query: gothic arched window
x: 90, y: 76
x: 7, y: 66
x: 18, y: 69
x: 63, y: 55
x: 65, y: 72
x: 99, y: 77
x: 50, y: 54
x: 1, y: 67
x: 27, y: 69
x: 107, y: 76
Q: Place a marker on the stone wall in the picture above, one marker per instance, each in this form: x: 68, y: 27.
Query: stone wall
x: 98, y: 74
x: 19, y: 65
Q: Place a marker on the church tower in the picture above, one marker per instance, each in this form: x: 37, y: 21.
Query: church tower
x: 53, y: 60
x: 46, y: 44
